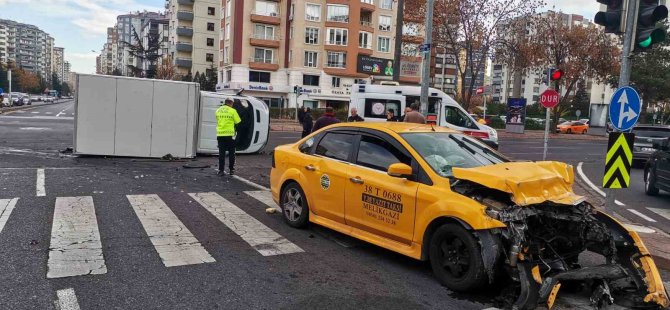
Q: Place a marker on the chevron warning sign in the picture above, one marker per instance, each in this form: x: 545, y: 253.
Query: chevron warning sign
x: 618, y: 160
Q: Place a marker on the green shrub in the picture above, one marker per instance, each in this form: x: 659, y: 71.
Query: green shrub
x: 497, y: 123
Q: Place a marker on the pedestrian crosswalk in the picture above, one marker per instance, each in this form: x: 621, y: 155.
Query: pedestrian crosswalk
x: 62, y: 113
x: 77, y: 248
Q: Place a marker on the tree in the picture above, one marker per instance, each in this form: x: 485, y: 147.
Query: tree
x: 468, y: 29
x: 581, y: 101
x: 144, y: 53
x: 27, y: 81
x: 581, y: 52
x: 56, y: 83
x: 117, y: 72
x: 166, y: 70
x: 66, y: 89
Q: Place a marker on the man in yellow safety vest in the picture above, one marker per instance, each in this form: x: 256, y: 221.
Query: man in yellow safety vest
x: 226, y: 120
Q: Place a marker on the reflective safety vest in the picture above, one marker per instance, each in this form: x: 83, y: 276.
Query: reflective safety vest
x: 226, y: 119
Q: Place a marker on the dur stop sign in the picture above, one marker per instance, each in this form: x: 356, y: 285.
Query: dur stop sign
x: 549, y: 98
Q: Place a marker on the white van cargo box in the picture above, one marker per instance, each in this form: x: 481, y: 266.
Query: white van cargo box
x: 121, y: 116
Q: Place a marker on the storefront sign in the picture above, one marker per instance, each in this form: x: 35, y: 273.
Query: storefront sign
x: 410, y: 68
x: 310, y: 90
x: 374, y: 65
x: 341, y: 92
x: 261, y: 87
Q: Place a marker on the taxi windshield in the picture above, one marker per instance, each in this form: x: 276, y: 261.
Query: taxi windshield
x: 444, y: 151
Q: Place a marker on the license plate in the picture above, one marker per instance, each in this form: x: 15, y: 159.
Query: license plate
x: 648, y: 149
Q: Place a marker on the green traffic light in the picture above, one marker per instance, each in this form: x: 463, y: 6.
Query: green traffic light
x: 645, y: 43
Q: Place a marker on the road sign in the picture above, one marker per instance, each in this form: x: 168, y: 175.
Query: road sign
x: 625, y: 108
x: 424, y: 48
x: 618, y: 160
x: 550, y: 98
x: 2, y: 91
x: 578, y: 113
x: 480, y: 90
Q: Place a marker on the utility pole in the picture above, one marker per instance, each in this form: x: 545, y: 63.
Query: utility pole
x: 397, y: 52
x: 425, y: 76
x: 624, y: 75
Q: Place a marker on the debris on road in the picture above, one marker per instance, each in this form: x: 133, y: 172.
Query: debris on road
x: 270, y: 210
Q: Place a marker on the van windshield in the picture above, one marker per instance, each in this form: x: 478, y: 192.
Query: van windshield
x: 455, y: 116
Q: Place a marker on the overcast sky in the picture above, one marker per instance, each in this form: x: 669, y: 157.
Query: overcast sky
x: 80, y: 25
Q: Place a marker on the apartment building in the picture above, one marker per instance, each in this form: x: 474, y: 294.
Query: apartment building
x: 324, y: 47
x: 66, y: 72
x: 194, y: 29
x: 98, y: 65
x: 446, y: 71
x: 58, y: 62
x: 128, y: 31
x: 27, y: 46
x: 155, y: 29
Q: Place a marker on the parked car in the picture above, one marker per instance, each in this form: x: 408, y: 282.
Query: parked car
x: 35, y: 98
x: 49, y: 99
x: 5, y: 101
x: 26, y: 100
x: 572, y: 127
x: 645, y: 137
x: 657, y: 169
x: 585, y: 121
x: 16, y: 99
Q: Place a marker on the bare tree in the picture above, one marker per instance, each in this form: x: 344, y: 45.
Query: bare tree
x: 148, y: 52
x: 166, y: 70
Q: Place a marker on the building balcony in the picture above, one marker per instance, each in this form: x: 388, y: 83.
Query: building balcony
x: 271, y: 18
x: 335, y: 48
x: 185, y: 15
x: 185, y: 2
x: 367, y: 7
x: 412, y: 39
x: 366, y: 50
x: 184, y: 47
x: 367, y: 26
x: 264, y: 41
x: 185, y: 31
x: 183, y: 62
x: 263, y: 64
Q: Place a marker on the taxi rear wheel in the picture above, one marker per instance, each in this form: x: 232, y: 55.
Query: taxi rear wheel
x: 456, y: 259
x: 294, y: 206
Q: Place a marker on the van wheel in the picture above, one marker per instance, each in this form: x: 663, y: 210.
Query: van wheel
x: 650, y: 183
x: 456, y: 259
x: 294, y: 206
x: 584, y: 132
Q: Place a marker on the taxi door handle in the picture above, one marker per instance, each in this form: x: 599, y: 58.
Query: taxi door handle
x: 310, y: 168
x: 356, y: 180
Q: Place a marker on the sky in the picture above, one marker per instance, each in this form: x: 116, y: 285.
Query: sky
x: 80, y: 26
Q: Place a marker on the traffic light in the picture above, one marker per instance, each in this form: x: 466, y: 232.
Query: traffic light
x: 646, y: 32
x: 556, y: 74
x: 613, y: 18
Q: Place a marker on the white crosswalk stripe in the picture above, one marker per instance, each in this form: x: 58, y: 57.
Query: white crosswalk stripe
x: 260, y: 237
x: 75, y: 240
x: 174, y: 243
x: 6, y: 208
x: 265, y: 197
x: 646, y: 218
x: 662, y: 212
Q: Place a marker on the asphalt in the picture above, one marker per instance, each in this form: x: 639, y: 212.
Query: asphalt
x: 333, y: 272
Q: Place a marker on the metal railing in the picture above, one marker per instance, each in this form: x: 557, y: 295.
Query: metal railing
x: 366, y: 23
x: 263, y: 60
x: 266, y: 13
x: 263, y: 36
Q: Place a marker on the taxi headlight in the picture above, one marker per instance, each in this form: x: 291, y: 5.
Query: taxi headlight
x: 493, y: 135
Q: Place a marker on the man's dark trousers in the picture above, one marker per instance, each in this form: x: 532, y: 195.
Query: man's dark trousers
x: 226, y: 144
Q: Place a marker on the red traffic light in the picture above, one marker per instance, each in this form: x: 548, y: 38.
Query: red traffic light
x: 556, y: 75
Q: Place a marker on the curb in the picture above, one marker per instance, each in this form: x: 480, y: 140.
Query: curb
x: 25, y: 107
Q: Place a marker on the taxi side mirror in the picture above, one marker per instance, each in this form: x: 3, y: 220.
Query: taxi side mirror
x: 400, y: 170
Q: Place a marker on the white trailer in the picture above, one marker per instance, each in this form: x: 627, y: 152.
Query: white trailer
x: 122, y: 116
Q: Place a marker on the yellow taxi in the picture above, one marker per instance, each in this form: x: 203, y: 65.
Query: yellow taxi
x: 436, y: 194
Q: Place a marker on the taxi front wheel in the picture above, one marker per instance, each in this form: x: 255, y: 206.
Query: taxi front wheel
x: 456, y: 259
x: 294, y: 205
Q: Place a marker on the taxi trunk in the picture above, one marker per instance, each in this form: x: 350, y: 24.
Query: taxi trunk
x: 547, y: 228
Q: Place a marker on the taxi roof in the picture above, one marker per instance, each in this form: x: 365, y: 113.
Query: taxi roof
x: 397, y: 127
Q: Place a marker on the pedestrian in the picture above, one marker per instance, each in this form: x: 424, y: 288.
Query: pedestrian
x: 307, y: 122
x: 413, y: 116
x: 326, y: 119
x: 301, y: 114
x: 226, y: 121
x: 354, y: 116
x: 390, y: 116
x: 402, y: 118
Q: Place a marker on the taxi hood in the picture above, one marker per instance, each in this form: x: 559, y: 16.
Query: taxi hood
x: 528, y: 182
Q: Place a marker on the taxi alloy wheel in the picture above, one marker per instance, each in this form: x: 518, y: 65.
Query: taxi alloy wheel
x: 456, y: 258
x: 650, y: 183
x: 294, y: 206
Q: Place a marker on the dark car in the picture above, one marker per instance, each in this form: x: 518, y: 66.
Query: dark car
x: 645, y: 137
x: 657, y: 169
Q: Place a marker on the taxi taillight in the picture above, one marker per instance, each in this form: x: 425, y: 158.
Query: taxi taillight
x: 477, y: 134
x: 431, y: 119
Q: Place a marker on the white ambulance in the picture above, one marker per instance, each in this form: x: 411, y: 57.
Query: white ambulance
x: 374, y: 101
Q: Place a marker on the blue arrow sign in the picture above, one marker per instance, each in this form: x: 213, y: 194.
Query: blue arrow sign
x: 625, y: 108
x: 2, y: 91
x: 424, y: 48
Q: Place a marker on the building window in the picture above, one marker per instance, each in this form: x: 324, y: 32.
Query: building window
x: 368, y: 1
x: 338, y: 13
x: 209, y: 57
x: 337, y: 60
x: 384, y: 23
x: 365, y: 40
x: 210, y: 42
x: 228, y: 8
x: 310, y: 80
x: 229, y: 74
x: 266, y: 8
x: 312, y: 12
x: 311, y: 59
x: 410, y: 29
x: 259, y: 76
x: 227, y: 31
x: 290, y: 55
x: 311, y: 35
x: 384, y: 44
x: 211, y: 11
x: 225, y: 54
x: 263, y: 55
x: 387, y: 4
x: 409, y: 49
x: 338, y: 36
x: 264, y: 32
x: 335, y: 82
x: 210, y: 26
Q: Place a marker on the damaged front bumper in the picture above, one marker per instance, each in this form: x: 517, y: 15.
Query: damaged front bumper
x: 547, y: 228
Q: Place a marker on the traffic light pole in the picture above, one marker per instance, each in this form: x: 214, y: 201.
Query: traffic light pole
x: 624, y: 75
x: 425, y: 73
x: 547, y: 119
